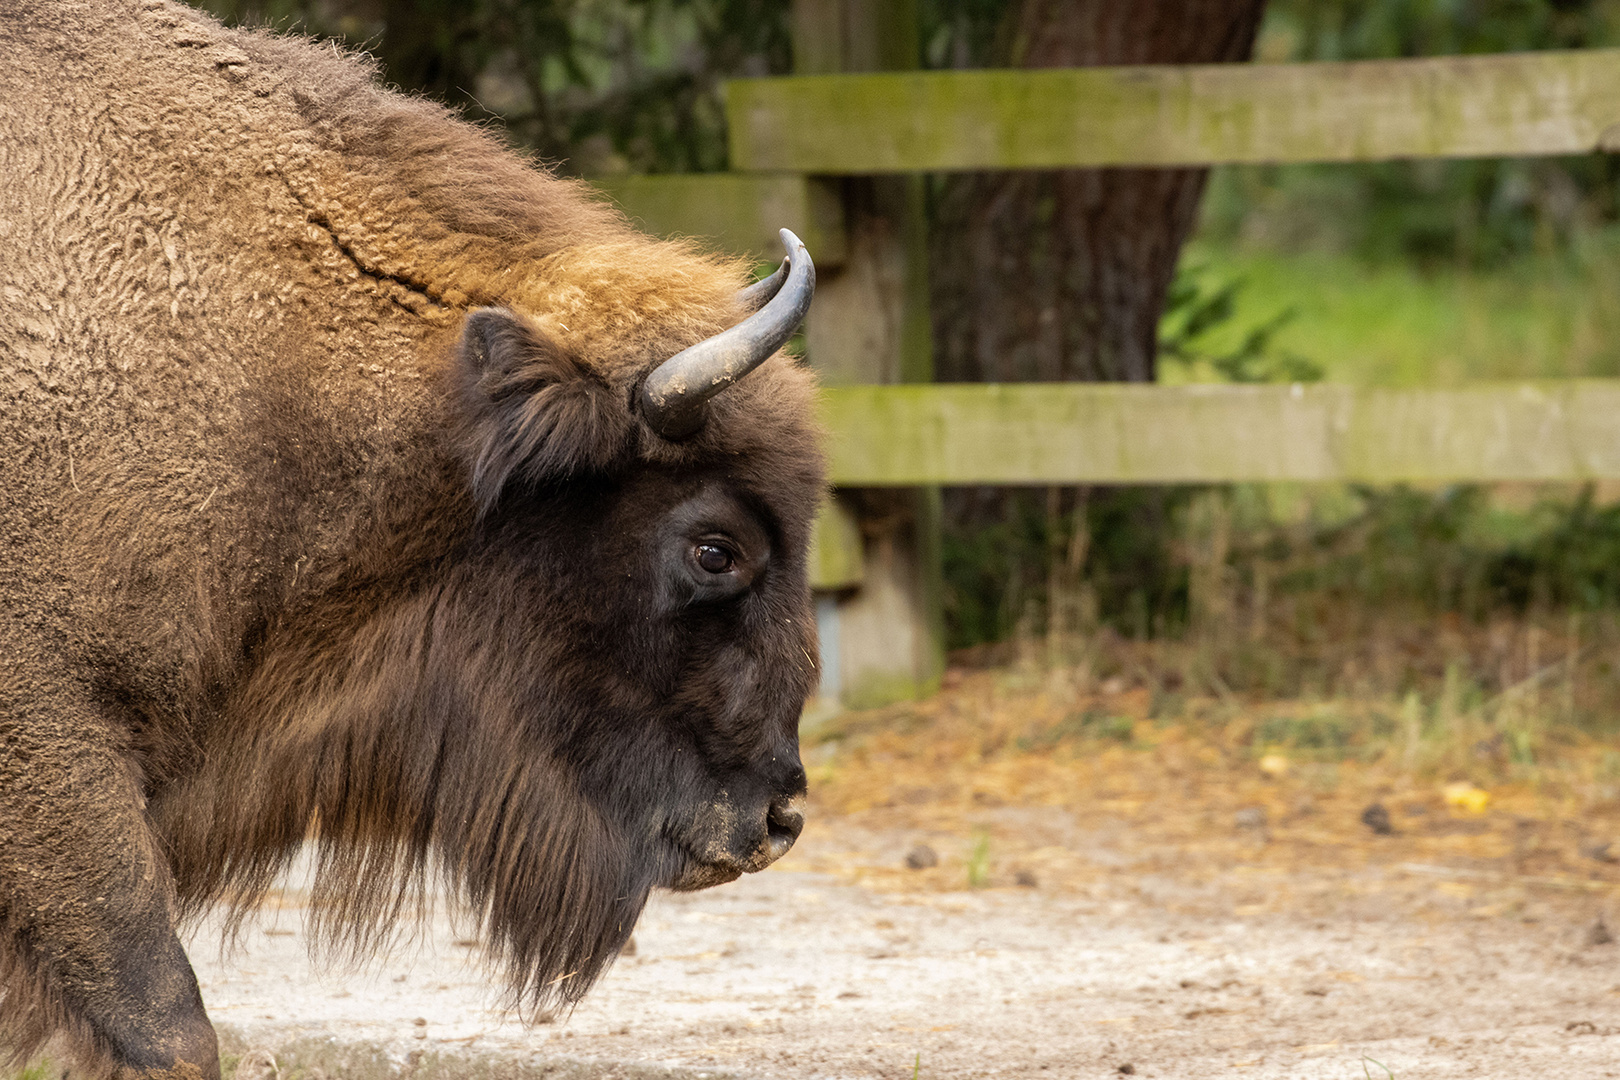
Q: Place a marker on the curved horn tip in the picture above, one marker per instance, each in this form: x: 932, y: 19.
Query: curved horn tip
x: 753, y: 297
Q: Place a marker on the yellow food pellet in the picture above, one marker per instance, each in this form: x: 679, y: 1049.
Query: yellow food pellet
x: 1466, y: 797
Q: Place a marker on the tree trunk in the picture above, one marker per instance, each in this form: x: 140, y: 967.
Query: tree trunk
x: 1061, y: 275
x: 1058, y: 276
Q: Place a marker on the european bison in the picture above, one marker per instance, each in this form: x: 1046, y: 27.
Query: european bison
x: 362, y: 485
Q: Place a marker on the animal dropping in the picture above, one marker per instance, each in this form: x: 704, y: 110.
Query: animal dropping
x: 354, y: 472
x: 922, y: 857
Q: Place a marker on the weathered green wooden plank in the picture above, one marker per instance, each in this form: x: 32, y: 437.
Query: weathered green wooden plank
x: 854, y: 35
x: 1035, y: 433
x: 1474, y: 106
x: 739, y: 212
x: 837, y: 560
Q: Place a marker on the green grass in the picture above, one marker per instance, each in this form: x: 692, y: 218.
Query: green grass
x: 39, y: 1069
x: 1394, y: 324
x: 978, y: 864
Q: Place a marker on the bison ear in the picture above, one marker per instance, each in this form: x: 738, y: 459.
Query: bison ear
x: 529, y: 412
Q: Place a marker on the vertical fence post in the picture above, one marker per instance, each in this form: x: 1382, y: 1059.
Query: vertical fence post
x: 882, y: 639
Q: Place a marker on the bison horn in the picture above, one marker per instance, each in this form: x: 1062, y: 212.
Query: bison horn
x: 672, y: 397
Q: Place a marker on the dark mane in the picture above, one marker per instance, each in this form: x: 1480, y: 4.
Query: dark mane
x: 396, y: 776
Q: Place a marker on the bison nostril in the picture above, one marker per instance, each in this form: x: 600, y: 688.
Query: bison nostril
x: 783, y: 823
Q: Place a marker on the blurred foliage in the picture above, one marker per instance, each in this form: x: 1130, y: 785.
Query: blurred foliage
x: 1393, y: 323
x: 961, y: 33
x: 1197, y: 307
x: 1447, y: 553
x: 597, y: 85
x: 997, y: 575
x: 1359, y: 29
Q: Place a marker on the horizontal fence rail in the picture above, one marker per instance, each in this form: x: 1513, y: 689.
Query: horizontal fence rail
x: 1508, y: 105
x: 1059, y: 433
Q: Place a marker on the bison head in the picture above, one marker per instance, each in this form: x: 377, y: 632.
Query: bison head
x: 633, y: 637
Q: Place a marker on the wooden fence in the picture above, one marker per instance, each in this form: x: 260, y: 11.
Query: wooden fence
x: 790, y: 135
x: 1211, y: 114
x: 1124, y: 433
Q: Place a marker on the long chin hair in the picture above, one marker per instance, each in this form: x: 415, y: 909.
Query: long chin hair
x: 404, y: 757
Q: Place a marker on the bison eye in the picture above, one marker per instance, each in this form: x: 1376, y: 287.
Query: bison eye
x: 715, y: 559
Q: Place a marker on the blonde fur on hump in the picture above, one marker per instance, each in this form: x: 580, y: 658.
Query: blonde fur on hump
x: 414, y: 195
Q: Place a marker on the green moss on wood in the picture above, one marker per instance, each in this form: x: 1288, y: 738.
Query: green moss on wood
x: 837, y: 560
x: 1117, y: 433
x: 1477, y: 106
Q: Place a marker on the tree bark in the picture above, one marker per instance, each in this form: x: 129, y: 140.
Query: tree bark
x: 1061, y: 275
x: 1058, y: 276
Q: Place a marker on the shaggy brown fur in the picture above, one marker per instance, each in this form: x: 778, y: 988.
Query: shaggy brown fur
x: 292, y: 546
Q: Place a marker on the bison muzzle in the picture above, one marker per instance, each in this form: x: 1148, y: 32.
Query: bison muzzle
x: 363, y: 488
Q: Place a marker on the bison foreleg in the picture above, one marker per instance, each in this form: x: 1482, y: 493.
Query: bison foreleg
x: 87, y: 941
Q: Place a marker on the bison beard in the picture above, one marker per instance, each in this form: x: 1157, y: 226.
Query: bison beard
x: 340, y: 504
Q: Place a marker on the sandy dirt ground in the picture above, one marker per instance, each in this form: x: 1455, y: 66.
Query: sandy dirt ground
x: 1119, y: 959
